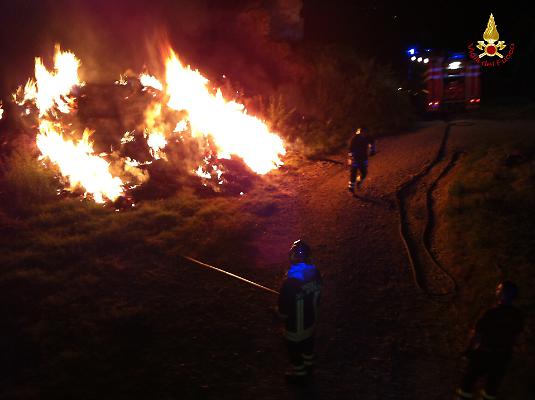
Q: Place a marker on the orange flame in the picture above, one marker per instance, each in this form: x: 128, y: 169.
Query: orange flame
x: 233, y: 130
x: 52, y: 88
x: 202, y: 112
x: 154, y: 133
x: 147, y: 80
x: 78, y: 163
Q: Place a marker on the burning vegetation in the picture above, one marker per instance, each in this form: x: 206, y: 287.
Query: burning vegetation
x: 181, y: 115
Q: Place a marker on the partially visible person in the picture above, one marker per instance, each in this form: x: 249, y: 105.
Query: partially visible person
x: 359, y: 145
x: 298, y: 307
x: 491, y: 344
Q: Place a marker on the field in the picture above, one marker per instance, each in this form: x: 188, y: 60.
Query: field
x: 99, y: 303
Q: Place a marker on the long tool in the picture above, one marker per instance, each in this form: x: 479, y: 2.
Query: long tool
x: 230, y: 274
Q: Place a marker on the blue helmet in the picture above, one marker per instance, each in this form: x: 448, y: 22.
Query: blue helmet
x: 299, y: 252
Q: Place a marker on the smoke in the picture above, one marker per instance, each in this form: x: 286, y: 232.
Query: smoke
x: 108, y: 36
x: 113, y: 36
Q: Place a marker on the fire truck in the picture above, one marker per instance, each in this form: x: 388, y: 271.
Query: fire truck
x: 445, y: 82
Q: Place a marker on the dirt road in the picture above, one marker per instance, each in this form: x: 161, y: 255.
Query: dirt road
x: 158, y: 327
x: 379, y: 337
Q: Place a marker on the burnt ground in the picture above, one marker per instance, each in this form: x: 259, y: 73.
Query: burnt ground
x: 162, y: 328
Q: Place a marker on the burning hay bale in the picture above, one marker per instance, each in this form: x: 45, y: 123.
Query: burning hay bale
x: 143, y: 136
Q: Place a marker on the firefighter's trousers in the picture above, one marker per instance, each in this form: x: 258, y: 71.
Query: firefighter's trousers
x: 301, y: 355
x: 488, y: 365
x: 360, y: 168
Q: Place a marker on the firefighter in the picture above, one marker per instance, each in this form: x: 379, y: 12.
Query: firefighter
x: 359, y: 145
x: 491, y: 344
x: 298, y: 308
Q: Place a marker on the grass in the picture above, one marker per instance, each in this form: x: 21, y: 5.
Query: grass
x: 74, y: 228
x: 100, y: 305
x: 27, y: 183
x: 515, y: 109
x: 490, y: 223
x: 491, y: 203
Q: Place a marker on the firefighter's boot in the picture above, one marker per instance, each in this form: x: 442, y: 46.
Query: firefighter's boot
x: 310, y: 362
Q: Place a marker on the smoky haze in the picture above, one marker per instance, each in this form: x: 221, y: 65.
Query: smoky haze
x: 112, y: 36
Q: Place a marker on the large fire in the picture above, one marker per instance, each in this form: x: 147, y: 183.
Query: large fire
x: 51, y: 91
x: 234, y: 131
x: 53, y: 88
x: 154, y: 132
x: 78, y: 163
x: 201, y: 112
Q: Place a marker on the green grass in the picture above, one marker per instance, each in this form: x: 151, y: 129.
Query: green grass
x: 97, y: 302
x: 491, y: 224
x: 491, y: 204
x: 26, y: 181
x: 62, y: 230
x: 517, y: 109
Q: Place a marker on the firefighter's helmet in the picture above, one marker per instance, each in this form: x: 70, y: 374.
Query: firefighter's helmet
x: 299, y: 252
x: 506, y: 291
x: 362, y: 130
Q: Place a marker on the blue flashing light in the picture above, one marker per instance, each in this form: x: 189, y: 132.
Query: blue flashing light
x: 456, y: 56
x: 412, y: 51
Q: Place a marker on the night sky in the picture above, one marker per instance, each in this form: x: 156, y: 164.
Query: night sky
x: 113, y: 31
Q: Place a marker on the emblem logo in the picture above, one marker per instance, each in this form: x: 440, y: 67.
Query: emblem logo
x: 491, y: 47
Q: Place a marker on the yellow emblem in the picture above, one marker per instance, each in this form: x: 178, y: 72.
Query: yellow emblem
x: 490, y: 45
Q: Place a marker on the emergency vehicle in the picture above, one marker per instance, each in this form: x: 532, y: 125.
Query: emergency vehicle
x: 445, y: 82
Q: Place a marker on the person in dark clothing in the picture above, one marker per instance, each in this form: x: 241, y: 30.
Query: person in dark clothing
x: 492, y: 343
x: 298, y: 307
x: 359, y: 145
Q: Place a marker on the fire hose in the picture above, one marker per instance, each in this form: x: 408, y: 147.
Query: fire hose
x: 400, y: 197
x: 249, y: 282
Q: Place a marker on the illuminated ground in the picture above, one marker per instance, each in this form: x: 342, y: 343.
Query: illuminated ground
x: 379, y: 337
x: 151, y: 326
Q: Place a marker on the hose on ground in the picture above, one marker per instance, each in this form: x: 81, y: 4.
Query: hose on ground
x: 416, y: 270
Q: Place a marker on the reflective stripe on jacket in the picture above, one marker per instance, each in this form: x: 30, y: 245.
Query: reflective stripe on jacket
x: 299, y: 299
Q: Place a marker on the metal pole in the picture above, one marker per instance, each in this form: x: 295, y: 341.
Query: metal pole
x: 230, y: 274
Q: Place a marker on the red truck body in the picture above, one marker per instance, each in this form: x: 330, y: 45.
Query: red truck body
x: 452, y: 83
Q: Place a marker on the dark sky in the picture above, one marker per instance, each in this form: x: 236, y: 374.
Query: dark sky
x: 386, y: 29
x: 381, y: 28
x: 104, y: 32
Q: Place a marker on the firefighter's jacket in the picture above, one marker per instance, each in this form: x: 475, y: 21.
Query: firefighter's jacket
x: 358, y: 147
x: 298, y: 301
x: 498, y: 328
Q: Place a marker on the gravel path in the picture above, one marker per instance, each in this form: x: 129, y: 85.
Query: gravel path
x: 378, y: 336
